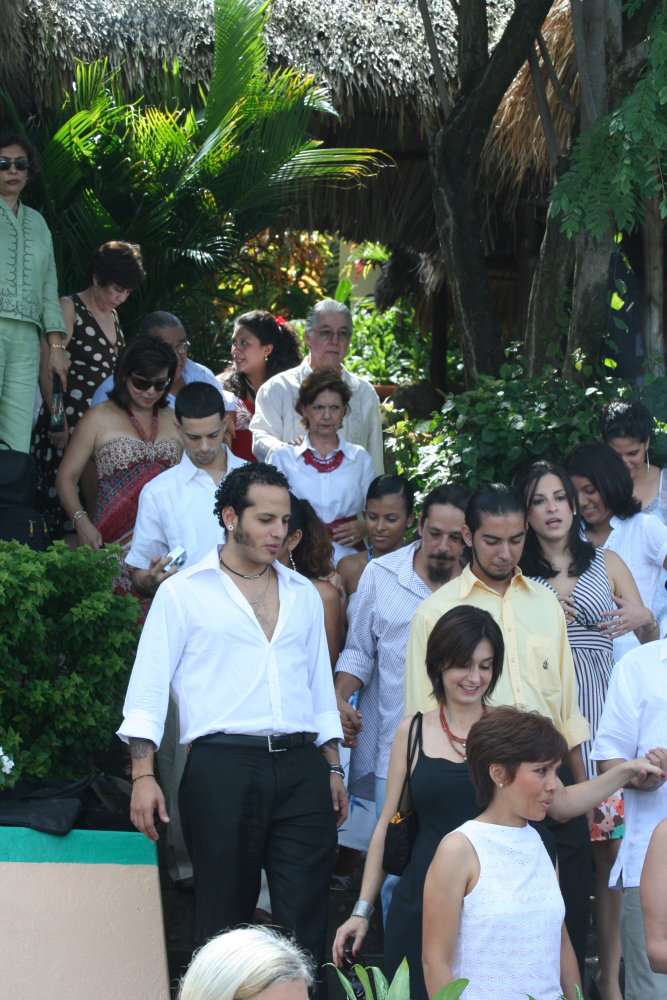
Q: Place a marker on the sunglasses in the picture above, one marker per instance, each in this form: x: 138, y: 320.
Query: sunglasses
x: 21, y: 163
x: 144, y: 384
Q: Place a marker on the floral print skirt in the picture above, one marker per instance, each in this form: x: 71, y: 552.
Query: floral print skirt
x: 609, y: 818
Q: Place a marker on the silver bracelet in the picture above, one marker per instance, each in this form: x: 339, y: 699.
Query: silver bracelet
x: 654, y: 625
x: 337, y: 769
x: 363, y: 909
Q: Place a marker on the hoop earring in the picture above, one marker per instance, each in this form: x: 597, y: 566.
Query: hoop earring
x: 291, y: 559
x: 648, y: 460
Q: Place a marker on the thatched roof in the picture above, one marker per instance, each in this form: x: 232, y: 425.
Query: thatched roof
x: 370, y: 53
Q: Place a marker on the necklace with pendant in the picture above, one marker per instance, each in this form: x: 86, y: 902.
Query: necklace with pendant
x: 246, y: 576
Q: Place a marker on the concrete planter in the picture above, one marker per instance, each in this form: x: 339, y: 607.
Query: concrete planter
x: 82, y: 917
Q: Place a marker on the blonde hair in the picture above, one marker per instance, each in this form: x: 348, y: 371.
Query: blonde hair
x: 241, y: 963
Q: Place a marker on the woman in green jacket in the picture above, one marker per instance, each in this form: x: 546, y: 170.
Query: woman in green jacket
x: 29, y: 305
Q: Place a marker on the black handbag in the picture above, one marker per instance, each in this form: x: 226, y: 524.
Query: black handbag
x: 25, y: 526
x: 18, y: 478
x: 402, y: 829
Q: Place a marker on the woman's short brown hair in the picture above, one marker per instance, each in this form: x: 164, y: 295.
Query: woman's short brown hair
x: 510, y: 737
x: 453, y: 641
x: 320, y: 381
x: 146, y: 356
x: 117, y: 263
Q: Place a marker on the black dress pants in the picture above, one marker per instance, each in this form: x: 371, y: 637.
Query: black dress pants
x: 243, y: 807
x: 575, y: 865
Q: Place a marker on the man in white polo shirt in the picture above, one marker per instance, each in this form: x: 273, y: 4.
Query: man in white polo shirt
x: 634, y: 722
x: 176, y: 508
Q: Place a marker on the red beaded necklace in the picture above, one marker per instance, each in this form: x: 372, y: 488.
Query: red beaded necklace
x: 450, y: 735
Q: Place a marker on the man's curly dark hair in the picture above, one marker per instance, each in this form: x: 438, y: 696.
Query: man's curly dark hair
x: 234, y: 489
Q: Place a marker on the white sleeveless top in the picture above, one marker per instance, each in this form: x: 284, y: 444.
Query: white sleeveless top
x: 510, y: 929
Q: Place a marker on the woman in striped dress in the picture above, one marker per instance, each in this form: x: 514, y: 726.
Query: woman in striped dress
x: 588, y: 582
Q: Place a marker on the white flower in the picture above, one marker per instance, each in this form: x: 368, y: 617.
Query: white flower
x: 7, y: 762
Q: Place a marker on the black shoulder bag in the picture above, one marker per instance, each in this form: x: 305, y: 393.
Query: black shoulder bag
x: 402, y: 829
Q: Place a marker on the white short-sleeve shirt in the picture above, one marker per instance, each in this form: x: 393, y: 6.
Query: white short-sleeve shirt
x: 334, y: 495
x: 641, y: 542
x: 634, y: 720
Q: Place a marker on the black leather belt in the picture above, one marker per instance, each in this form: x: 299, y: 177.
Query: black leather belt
x: 274, y: 744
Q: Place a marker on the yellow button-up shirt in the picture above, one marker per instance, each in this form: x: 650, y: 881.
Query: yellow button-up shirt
x: 538, y: 670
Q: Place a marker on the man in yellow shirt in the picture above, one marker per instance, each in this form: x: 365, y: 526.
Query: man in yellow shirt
x: 538, y: 672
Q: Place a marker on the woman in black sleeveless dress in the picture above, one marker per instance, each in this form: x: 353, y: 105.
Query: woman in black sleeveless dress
x: 94, y: 338
x: 464, y: 658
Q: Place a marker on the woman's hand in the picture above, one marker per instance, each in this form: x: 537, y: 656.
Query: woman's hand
x: 60, y: 439
x: 58, y: 363
x: 349, y: 533
x: 568, y: 606
x: 628, y: 617
x: 648, y: 772
x: 88, y: 533
x: 355, y: 927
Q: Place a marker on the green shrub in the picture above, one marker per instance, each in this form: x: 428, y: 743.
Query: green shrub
x: 495, y: 431
x: 67, y: 644
x: 400, y: 984
x: 386, y: 347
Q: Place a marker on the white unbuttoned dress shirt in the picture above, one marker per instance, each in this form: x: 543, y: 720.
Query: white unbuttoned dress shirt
x: 176, y: 508
x: 192, y: 372
x: 634, y: 720
x: 202, y: 640
x: 337, y: 494
x: 276, y: 422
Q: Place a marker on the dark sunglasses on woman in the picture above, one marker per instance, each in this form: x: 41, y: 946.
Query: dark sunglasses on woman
x: 144, y: 384
x: 21, y: 163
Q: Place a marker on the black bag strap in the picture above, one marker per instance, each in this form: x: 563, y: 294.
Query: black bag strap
x: 413, y: 745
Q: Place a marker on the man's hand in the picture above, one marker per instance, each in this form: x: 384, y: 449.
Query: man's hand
x: 147, y: 581
x: 339, y: 796
x: 146, y: 798
x: 58, y: 363
x: 645, y: 782
x: 350, y: 720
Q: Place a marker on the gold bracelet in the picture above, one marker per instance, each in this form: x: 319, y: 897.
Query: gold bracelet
x: 79, y: 513
x: 61, y: 347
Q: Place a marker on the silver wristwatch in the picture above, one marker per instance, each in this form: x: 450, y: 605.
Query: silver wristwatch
x: 363, y: 909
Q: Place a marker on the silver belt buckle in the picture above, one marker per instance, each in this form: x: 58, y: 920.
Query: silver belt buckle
x: 279, y: 749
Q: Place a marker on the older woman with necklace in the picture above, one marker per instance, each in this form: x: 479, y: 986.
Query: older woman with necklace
x: 325, y: 469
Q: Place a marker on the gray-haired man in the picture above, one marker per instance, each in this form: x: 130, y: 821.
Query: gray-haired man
x: 276, y: 422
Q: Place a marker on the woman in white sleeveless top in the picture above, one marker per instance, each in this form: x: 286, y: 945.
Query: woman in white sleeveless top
x: 493, y: 910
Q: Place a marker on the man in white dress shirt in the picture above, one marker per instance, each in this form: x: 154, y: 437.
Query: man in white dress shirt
x: 169, y: 327
x: 276, y: 422
x: 634, y: 723
x: 240, y: 641
x: 176, y: 508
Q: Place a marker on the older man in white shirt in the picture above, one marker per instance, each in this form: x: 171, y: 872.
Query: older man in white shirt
x: 276, y: 422
x: 634, y: 722
x: 240, y: 641
x: 176, y: 509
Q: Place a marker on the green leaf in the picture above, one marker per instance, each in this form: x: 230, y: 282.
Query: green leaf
x: 345, y: 983
x: 452, y: 991
x: 400, y: 984
x: 344, y: 290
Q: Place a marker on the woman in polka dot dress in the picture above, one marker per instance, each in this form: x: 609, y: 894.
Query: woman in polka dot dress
x: 94, y: 338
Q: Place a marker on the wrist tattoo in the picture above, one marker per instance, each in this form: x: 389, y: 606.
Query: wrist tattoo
x: 139, y: 748
x: 329, y: 745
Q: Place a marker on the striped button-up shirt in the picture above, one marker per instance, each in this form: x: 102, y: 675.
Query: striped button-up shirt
x: 538, y: 672
x: 388, y: 595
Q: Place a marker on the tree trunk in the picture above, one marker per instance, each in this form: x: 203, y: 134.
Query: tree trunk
x: 654, y: 286
x: 548, y: 294
x: 440, y: 330
x: 458, y: 232
x: 589, y: 303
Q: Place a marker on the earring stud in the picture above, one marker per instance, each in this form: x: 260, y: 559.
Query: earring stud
x: 230, y: 527
x: 500, y: 785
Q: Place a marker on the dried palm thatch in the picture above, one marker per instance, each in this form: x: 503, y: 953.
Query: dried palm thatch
x: 515, y: 162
